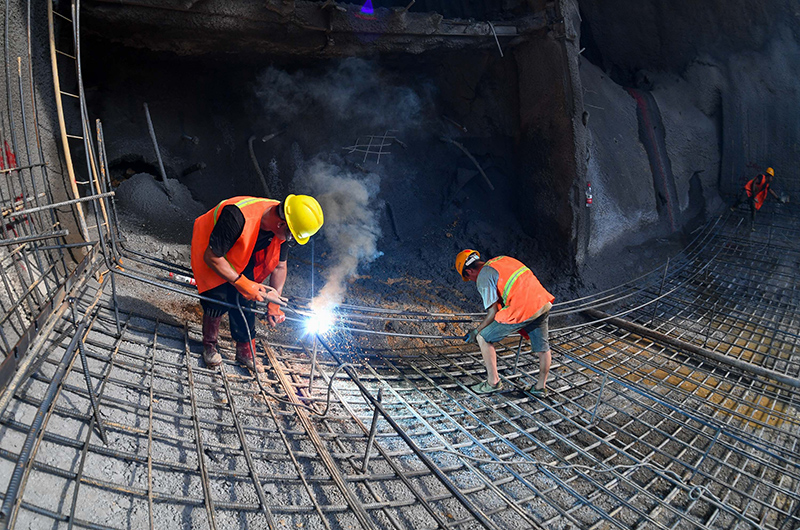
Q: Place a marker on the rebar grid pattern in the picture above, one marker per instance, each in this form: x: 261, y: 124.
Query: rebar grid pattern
x: 635, y: 434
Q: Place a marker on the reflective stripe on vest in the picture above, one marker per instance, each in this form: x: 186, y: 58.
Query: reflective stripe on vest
x: 239, y: 255
x: 241, y: 204
x: 522, y: 295
x: 512, y: 280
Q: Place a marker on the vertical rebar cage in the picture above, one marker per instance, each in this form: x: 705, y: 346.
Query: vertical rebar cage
x: 34, y: 262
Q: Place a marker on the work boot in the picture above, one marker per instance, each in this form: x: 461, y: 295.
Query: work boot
x: 211, y: 356
x: 245, y: 354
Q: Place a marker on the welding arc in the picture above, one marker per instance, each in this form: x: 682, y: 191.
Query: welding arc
x: 278, y: 398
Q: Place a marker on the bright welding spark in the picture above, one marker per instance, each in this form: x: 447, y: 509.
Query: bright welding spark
x: 319, y: 322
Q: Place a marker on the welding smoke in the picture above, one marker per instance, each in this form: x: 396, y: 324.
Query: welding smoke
x: 351, y: 224
x: 353, y: 90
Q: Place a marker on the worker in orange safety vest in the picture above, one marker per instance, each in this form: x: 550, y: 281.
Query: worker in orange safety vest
x: 235, y: 247
x: 514, y: 300
x: 755, y: 193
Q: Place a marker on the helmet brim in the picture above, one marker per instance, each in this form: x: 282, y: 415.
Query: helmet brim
x: 300, y: 240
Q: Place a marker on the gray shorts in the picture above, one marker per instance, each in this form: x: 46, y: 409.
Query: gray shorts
x: 536, y: 328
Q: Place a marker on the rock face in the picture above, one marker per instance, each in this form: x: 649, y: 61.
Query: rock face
x: 723, y: 75
x: 663, y: 106
x: 618, y: 168
x: 718, y: 83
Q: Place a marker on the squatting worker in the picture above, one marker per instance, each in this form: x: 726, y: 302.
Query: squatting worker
x: 235, y: 246
x: 755, y: 193
x: 514, y: 300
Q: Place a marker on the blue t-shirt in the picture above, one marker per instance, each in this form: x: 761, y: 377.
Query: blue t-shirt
x: 487, y: 285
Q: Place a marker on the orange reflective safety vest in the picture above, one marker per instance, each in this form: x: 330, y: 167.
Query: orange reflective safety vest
x: 757, y: 188
x: 239, y: 255
x: 521, y: 294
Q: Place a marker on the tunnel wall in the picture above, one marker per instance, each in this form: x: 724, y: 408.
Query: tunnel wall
x: 719, y: 83
x: 736, y: 61
x: 549, y: 163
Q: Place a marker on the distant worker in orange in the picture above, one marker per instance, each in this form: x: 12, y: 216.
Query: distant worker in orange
x: 755, y: 193
x: 514, y: 300
x: 235, y: 247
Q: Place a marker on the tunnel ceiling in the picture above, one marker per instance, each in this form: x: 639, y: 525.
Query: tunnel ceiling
x: 667, y: 35
x: 310, y: 29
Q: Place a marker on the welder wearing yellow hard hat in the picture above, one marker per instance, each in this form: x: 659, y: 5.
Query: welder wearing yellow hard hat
x: 235, y: 247
x: 515, y: 301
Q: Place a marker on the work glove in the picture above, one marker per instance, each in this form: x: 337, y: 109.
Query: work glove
x: 471, y: 336
x: 251, y: 290
x: 274, y: 314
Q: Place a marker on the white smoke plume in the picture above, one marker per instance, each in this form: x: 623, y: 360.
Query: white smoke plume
x: 351, y: 98
x: 351, y: 224
x: 353, y: 90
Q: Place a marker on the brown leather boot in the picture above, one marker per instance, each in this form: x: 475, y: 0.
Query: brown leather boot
x: 210, y: 333
x: 245, y: 354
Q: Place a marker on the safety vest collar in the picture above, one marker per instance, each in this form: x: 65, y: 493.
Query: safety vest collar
x: 239, y: 204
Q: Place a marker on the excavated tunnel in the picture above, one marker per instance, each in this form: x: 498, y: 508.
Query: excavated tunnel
x: 673, y: 398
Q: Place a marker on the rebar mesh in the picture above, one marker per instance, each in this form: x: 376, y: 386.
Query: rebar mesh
x: 677, y: 407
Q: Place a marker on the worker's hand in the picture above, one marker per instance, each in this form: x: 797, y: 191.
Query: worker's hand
x: 471, y: 336
x: 274, y: 314
x: 255, y: 292
x: 273, y: 297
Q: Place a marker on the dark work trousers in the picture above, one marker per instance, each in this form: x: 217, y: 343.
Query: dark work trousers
x: 750, y: 201
x: 227, y: 293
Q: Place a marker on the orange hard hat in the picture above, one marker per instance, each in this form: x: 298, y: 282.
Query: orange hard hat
x: 771, y: 171
x: 462, y: 258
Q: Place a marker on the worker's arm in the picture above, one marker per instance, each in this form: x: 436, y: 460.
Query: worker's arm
x: 249, y: 289
x: 489, y: 318
x: 278, y: 277
x: 277, y: 280
x: 472, y: 336
x: 774, y: 194
x: 220, y: 265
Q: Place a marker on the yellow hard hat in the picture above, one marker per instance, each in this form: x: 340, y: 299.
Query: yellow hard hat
x: 461, y: 260
x: 771, y: 171
x: 303, y: 215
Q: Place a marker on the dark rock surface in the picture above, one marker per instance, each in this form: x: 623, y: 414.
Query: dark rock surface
x: 660, y: 106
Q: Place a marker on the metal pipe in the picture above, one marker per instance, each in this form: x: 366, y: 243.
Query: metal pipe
x: 599, y: 397
x: 313, y: 364
x: 90, y: 389
x: 57, y: 205
x: 714, y: 356
x: 516, y: 359
x: 39, y: 237
x: 372, y: 430
x: 20, y: 168
x: 158, y: 152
